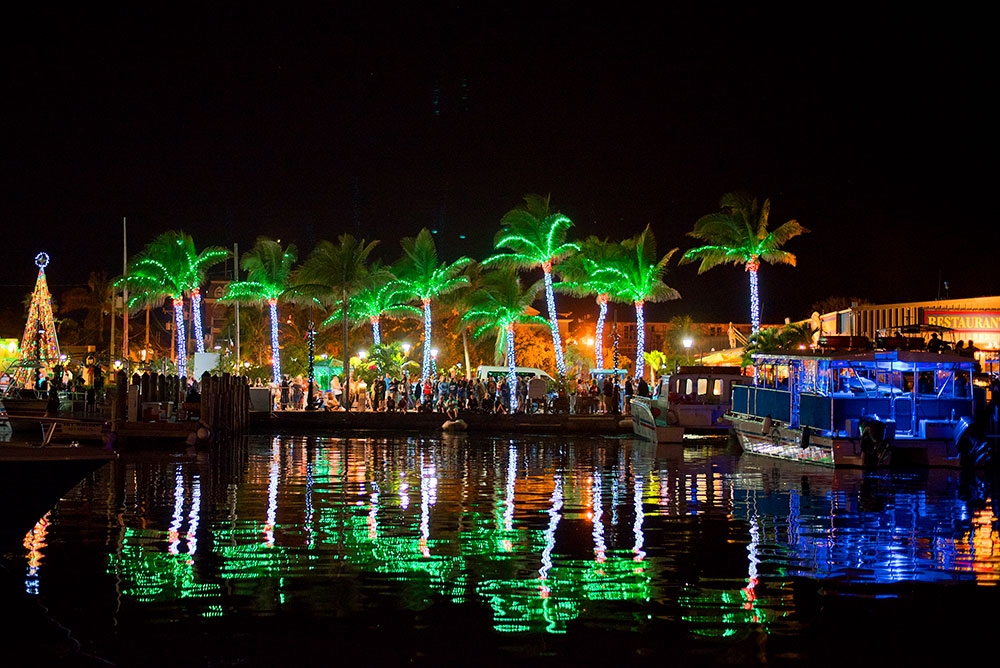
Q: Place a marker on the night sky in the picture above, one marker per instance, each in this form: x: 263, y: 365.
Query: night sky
x: 869, y: 127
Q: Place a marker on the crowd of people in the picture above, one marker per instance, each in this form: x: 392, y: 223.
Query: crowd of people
x: 450, y: 393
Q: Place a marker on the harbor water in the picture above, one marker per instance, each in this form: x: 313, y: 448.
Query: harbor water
x: 527, y: 550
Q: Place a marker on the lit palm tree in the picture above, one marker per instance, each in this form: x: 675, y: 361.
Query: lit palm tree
x: 384, y: 297
x: 534, y: 236
x: 638, y: 276
x: 269, y: 272
x: 579, y: 281
x: 738, y: 234
x: 426, y: 278
x: 334, y: 273
x: 169, y: 266
x: 499, y: 304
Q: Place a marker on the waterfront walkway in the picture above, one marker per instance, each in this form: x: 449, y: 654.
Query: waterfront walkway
x: 323, y: 422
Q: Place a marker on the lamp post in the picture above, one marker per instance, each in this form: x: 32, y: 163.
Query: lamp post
x: 406, y: 349
x: 688, y: 342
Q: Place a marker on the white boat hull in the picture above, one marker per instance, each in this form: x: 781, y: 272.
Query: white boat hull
x: 783, y: 442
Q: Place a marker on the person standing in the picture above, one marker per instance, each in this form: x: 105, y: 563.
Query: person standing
x: 643, y: 390
x: 607, y: 394
x: 628, y: 395
x: 284, y: 392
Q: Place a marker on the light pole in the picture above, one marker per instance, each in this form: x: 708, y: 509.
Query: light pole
x: 688, y: 342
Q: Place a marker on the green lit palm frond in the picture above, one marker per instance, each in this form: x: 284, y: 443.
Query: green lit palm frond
x: 638, y: 274
x: 269, y: 272
x: 531, y: 234
x: 739, y: 232
x: 499, y: 303
x: 420, y: 272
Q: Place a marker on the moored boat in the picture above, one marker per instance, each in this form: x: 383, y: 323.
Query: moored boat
x: 693, y: 400
x: 859, y: 408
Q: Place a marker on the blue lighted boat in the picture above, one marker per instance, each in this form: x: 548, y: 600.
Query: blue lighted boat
x: 859, y: 408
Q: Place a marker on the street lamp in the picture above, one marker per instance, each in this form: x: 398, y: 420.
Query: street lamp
x: 688, y: 342
x: 406, y: 348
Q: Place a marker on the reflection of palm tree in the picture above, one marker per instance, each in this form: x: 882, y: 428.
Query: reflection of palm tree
x: 269, y: 270
x: 426, y: 278
x: 335, y: 273
x: 738, y: 235
x: 638, y: 275
x: 579, y: 281
x: 499, y: 304
x: 536, y: 236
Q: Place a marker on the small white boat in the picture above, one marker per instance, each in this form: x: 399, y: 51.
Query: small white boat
x: 696, y: 399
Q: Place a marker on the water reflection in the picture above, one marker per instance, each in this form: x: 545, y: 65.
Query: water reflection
x: 540, y: 532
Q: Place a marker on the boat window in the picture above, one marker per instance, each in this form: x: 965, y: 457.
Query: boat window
x: 717, y: 387
x: 689, y: 386
x: 702, y: 386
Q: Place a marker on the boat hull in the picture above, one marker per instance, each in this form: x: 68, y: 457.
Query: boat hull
x: 783, y: 442
x: 33, y: 478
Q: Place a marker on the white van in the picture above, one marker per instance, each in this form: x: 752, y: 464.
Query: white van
x: 485, y: 372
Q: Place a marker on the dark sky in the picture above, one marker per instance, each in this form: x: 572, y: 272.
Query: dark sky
x: 868, y: 126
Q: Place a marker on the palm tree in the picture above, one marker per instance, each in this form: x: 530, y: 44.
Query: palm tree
x: 169, y: 266
x: 638, y: 276
x: 536, y: 236
x: 579, y: 281
x: 499, y: 304
x: 426, y: 278
x: 269, y: 272
x: 738, y: 234
x: 383, y: 297
x: 335, y: 273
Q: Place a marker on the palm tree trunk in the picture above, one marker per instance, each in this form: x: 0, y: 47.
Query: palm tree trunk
x: 640, y: 335
x: 550, y: 302
x: 199, y: 336
x: 181, y: 337
x: 345, y: 354
x: 426, y: 368
x: 511, y: 376
x: 275, y: 350
x: 754, y: 300
x: 376, y: 332
x: 599, y: 333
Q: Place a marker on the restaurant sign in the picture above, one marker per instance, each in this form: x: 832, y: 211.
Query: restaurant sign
x: 966, y: 321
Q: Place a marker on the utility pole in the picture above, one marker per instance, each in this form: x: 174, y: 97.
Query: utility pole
x: 125, y: 294
x: 236, y: 277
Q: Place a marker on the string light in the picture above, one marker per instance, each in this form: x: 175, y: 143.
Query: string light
x: 602, y: 300
x: 178, y: 303
x: 275, y: 350
x: 553, y: 319
x: 199, y: 338
x: 511, y: 377
x: 376, y: 332
x: 426, y: 368
x: 39, y: 345
x: 752, y: 267
x: 640, y: 331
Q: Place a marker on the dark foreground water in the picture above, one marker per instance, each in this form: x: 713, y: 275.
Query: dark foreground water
x: 498, y: 551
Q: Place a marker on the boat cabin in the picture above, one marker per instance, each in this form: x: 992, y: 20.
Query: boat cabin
x: 701, y: 384
x: 921, y: 394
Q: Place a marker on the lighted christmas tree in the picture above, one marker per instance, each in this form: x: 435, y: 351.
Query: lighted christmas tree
x: 39, y: 346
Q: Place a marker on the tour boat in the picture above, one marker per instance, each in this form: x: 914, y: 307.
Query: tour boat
x: 696, y: 398
x: 859, y: 407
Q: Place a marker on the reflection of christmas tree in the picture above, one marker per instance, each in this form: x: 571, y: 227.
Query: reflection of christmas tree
x: 39, y: 346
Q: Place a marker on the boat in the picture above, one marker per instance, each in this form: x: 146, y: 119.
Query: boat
x: 693, y: 400
x: 857, y: 406
x: 34, y: 475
